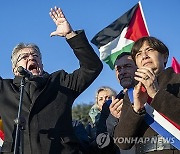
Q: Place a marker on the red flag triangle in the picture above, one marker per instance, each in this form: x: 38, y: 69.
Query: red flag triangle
x: 1, y: 135
x: 175, y: 65
x: 137, y: 26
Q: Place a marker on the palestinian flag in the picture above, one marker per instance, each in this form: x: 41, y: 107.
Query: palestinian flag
x: 120, y: 35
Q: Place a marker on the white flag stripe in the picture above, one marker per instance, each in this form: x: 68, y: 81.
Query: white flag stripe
x: 114, y: 46
x: 162, y: 121
x: 1, y: 142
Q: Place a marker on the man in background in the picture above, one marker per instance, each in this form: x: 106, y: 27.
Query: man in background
x: 125, y: 71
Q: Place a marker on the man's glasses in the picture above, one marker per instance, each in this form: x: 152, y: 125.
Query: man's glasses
x: 25, y: 56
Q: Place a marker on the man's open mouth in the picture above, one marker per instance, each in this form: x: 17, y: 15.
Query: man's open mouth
x: 32, y: 67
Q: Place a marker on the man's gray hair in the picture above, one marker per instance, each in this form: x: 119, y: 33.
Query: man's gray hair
x: 21, y: 46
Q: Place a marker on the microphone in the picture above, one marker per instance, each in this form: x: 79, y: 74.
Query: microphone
x: 24, y: 72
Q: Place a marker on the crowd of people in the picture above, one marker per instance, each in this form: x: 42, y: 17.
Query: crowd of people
x: 47, y: 101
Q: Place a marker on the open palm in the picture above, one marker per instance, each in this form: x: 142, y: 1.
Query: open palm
x: 63, y: 27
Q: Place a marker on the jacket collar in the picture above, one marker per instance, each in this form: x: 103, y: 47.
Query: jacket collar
x: 38, y: 81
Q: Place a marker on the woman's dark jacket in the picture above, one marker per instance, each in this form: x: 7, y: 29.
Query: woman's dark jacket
x: 47, y: 104
x: 166, y: 101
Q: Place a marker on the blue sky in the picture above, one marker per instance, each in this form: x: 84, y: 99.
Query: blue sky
x: 29, y: 21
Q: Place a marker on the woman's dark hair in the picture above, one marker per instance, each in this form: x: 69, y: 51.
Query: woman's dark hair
x: 153, y: 43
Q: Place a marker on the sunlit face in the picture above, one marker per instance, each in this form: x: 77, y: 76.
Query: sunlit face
x: 125, y: 69
x: 30, y: 60
x: 102, y: 97
x: 151, y: 58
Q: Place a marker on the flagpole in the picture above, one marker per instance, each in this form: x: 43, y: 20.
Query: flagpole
x: 143, y: 17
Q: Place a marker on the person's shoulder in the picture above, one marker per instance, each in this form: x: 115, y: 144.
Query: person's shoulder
x: 171, y: 75
x: 8, y: 80
x: 59, y: 73
x: 5, y: 82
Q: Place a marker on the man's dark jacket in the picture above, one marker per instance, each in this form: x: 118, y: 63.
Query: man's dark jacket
x: 47, y: 104
x: 166, y: 101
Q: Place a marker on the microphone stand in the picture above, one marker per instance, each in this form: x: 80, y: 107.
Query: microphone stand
x: 20, y: 123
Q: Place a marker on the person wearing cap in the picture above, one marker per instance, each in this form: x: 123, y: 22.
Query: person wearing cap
x: 158, y: 88
x: 47, y: 98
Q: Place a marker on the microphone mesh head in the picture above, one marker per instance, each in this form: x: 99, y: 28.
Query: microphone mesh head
x: 20, y: 70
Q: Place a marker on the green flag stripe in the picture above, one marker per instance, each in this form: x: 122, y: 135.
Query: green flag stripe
x: 110, y: 60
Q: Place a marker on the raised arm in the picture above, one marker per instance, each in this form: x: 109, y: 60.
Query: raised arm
x: 89, y: 62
